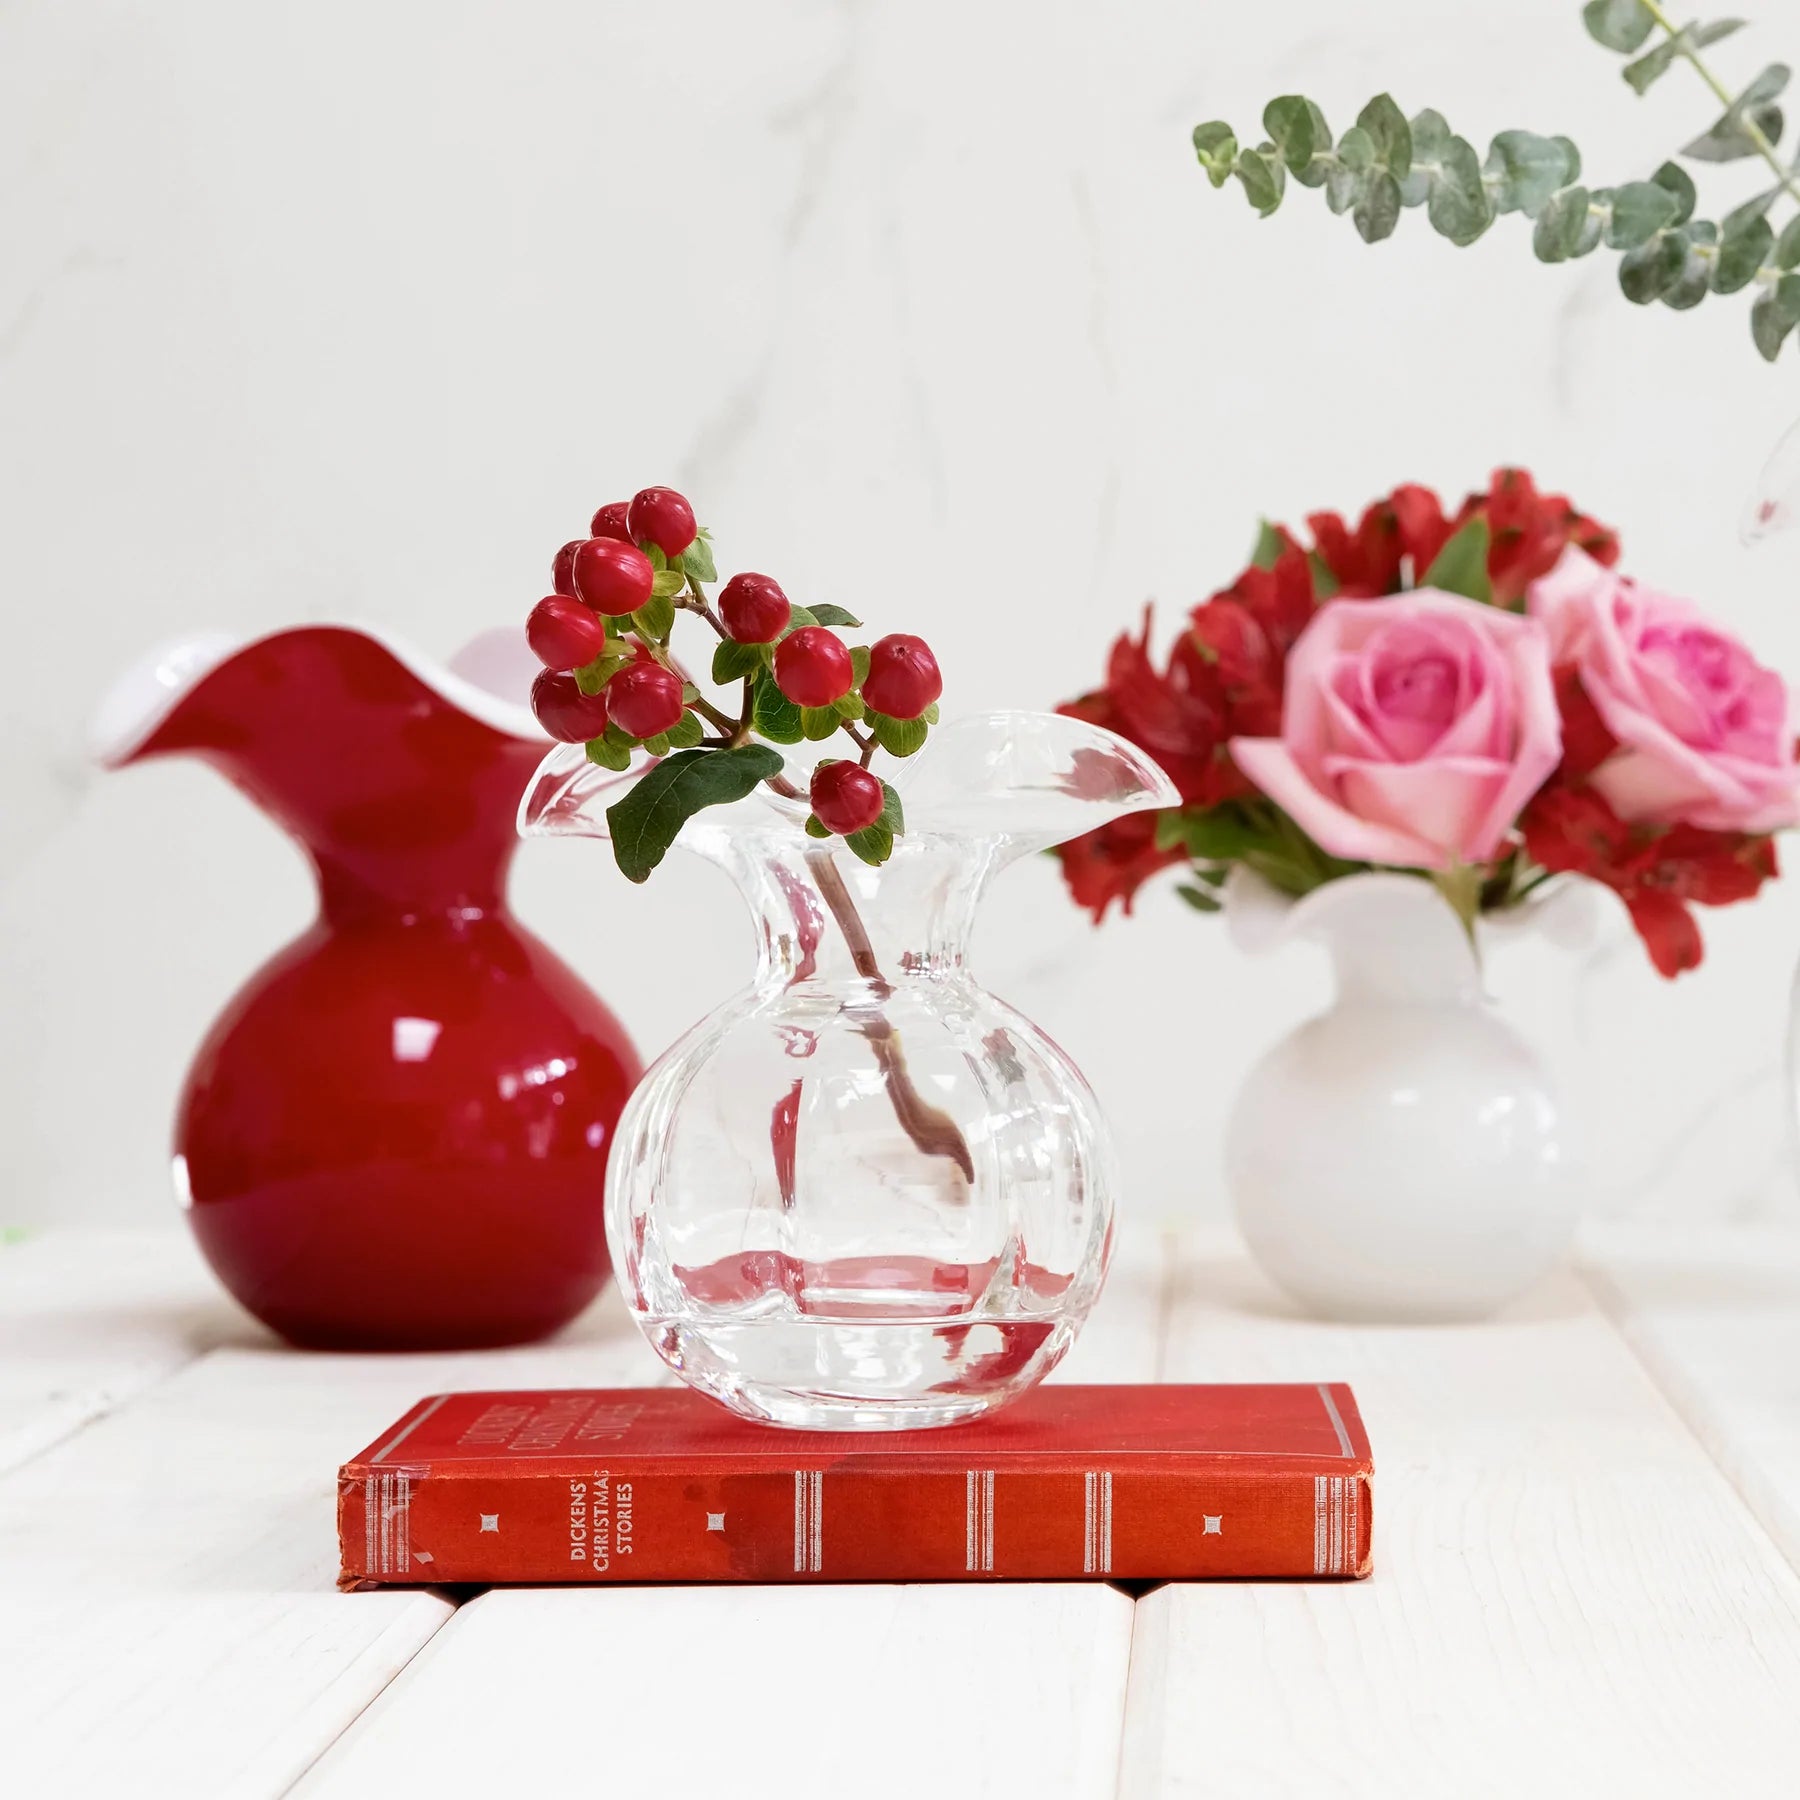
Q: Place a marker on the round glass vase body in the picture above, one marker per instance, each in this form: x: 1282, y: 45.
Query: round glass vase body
x: 865, y: 1194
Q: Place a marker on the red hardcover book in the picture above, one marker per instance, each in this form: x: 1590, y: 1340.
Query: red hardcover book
x: 658, y: 1484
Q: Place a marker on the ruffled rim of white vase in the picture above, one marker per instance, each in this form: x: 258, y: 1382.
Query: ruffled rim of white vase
x: 1260, y: 917
x: 141, y: 699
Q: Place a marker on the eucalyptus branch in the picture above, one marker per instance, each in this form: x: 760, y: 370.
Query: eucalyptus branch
x: 1386, y: 163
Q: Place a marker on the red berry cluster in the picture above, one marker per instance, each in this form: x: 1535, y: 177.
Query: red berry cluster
x: 611, y: 682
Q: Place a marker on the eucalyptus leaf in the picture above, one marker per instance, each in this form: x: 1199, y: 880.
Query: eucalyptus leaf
x: 1561, y: 225
x: 1356, y: 150
x: 1529, y: 169
x: 1681, y: 184
x: 1461, y: 567
x: 1289, y: 123
x: 1787, y: 246
x: 1699, y: 259
x: 1769, y: 326
x: 1620, y: 25
x: 1741, y: 253
x: 1733, y: 136
x: 1342, y: 187
x: 1459, y: 208
x: 1378, y: 207
x: 1753, y: 208
x: 1656, y: 63
x: 1390, y: 134
x: 646, y: 822
x: 1312, y: 174
x: 1216, y: 146
x: 1649, y: 271
x: 1640, y: 209
x: 1263, y: 175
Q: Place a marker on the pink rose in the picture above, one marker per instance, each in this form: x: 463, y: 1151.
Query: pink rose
x: 1413, y: 730
x: 1706, y: 733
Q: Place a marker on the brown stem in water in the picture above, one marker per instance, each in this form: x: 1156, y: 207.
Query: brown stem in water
x: 929, y: 1127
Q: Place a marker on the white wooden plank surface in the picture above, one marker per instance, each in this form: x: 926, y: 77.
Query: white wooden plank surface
x: 846, y: 1693
x: 1715, y: 1318
x: 168, y: 1619
x: 89, y: 1318
x: 1568, y: 1598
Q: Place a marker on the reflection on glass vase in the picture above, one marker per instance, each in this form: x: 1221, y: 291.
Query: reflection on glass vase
x: 864, y: 1193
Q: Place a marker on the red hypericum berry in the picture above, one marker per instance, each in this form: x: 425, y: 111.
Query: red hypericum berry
x: 812, y: 667
x: 754, y: 609
x: 562, y: 570
x: 845, y: 797
x: 662, y: 517
x: 611, y: 521
x: 564, y: 711
x: 564, y: 634
x: 645, y: 699
x: 612, y: 577
x: 903, y: 677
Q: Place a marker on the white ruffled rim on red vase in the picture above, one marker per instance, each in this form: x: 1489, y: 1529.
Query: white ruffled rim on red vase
x: 477, y: 681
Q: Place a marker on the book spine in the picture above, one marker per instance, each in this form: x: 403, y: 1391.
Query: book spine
x: 611, y: 1522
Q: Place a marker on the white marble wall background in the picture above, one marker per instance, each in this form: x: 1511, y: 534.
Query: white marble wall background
x: 358, y: 308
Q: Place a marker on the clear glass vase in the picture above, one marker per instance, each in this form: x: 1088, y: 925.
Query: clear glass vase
x: 865, y: 1193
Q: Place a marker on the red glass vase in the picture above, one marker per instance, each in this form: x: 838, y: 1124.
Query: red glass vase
x: 395, y: 1136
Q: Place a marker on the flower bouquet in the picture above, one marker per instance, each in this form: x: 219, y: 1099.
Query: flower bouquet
x: 1475, y: 697
x: 1372, y: 721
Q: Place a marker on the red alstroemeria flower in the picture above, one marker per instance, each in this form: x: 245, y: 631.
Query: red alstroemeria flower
x: 1114, y: 862
x: 1659, y: 874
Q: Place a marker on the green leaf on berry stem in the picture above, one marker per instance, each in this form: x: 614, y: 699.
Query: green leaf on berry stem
x: 817, y: 723
x: 898, y: 737
x: 656, y: 617
x: 859, y: 663
x: 773, y: 714
x: 697, y: 560
x: 733, y: 661
x: 848, y: 706
x: 1461, y: 567
x: 816, y: 827
x: 833, y: 615
x: 874, y: 843
x: 798, y: 616
x: 893, y: 814
x: 686, y: 732
x: 930, y: 714
x: 668, y: 583
x: 646, y: 822
x: 592, y: 677
x: 609, y: 756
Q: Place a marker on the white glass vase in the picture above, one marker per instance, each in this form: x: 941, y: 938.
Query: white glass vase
x: 1404, y: 1155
